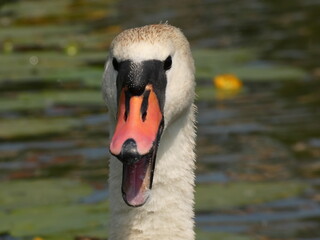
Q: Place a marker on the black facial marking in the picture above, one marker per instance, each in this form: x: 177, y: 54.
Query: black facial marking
x: 136, y: 76
x: 144, y: 105
x: 131, y: 76
x: 127, y: 105
x: 115, y: 64
x: 167, y: 63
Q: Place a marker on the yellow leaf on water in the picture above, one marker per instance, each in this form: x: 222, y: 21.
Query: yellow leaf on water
x: 227, y: 82
x: 37, y: 238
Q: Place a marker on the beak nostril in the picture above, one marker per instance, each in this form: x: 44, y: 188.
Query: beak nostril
x: 125, y: 116
x: 127, y: 105
x: 144, y: 105
x: 144, y: 115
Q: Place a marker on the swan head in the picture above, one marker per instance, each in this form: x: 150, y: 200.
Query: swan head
x: 148, y: 83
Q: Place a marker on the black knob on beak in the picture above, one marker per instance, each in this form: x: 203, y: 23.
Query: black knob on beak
x: 129, y: 153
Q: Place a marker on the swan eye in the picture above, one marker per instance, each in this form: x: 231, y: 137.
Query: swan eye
x: 167, y: 63
x: 115, y: 64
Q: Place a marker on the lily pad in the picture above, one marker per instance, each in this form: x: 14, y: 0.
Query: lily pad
x: 206, y: 93
x: 240, y: 62
x: 41, y: 100
x: 53, y: 208
x: 49, y: 207
x: 36, y: 193
x: 30, y: 127
x: 49, y: 37
x: 51, y: 67
x: 59, y: 10
x: 268, y: 73
x: 54, y: 219
x: 202, y: 235
x: 221, y: 196
x: 45, y: 61
x: 42, y: 25
x: 33, y: 9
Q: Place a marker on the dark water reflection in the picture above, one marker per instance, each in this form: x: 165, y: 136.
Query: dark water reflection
x: 268, y: 133
x: 269, y: 138
x: 282, y: 30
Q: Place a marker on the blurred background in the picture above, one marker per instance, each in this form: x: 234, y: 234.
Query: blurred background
x: 258, y: 86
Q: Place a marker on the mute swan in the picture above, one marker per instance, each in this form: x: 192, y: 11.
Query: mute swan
x: 149, y: 90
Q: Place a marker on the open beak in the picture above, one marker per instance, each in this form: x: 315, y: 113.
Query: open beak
x: 135, y: 141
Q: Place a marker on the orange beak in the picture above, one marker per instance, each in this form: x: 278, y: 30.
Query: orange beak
x: 137, y: 121
x: 135, y: 141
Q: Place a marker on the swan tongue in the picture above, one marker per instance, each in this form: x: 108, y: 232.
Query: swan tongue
x: 136, y: 181
x: 137, y: 175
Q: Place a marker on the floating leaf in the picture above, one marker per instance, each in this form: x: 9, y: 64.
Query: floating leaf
x: 7, y: 46
x: 206, y: 93
x: 51, y: 67
x: 37, y: 238
x: 72, y: 49
x: 215, y: 196
x: 202, y: 235
x: 240, y: 62
x: 49, y: 208
x: 56, y: 219
x: 36, y: 193
x: 227, y: 82
x: 42, y: 100
x: 30, y: 127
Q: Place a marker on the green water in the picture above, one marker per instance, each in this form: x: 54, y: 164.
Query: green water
x: 258, y: 148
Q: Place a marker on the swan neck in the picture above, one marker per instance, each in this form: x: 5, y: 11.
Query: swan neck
x: 168, y: 214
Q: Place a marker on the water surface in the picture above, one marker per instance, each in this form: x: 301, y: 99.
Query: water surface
x: 258, y: 148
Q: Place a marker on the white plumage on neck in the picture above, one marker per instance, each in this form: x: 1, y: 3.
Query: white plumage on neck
x: 168, y: 214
